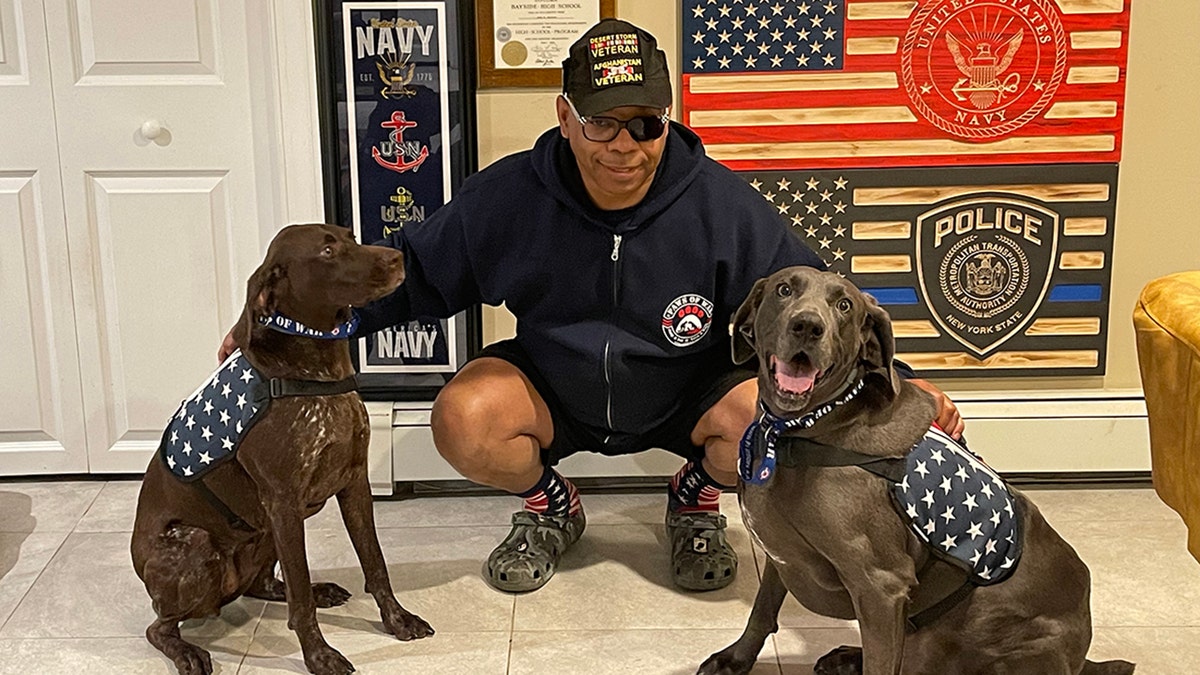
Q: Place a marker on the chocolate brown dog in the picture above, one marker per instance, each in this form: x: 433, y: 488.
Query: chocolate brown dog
x: 200, y: 542
x: 832, y: 535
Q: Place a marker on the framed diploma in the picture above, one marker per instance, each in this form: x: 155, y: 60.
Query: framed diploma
x: 397, y: 112
x: 522, y: 43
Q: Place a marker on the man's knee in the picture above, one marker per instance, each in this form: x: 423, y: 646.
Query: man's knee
x: 482, y: 410
x: 730, y: 416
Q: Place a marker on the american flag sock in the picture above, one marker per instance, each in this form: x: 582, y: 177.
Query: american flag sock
x: 692, y: 490
x: 553, y: 495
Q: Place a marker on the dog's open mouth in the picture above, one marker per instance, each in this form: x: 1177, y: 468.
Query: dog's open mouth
x: 794, y: 377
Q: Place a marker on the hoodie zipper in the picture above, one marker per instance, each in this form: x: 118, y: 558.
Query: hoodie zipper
x: 616, y: 258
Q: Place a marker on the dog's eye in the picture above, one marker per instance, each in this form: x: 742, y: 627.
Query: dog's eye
x: 783, y: 290
x: 844, y: 305
x: 327, y: 252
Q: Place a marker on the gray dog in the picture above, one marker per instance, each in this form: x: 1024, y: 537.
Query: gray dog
x: 826, y: 496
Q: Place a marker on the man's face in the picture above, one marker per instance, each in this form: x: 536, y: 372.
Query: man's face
x: 616, y: 174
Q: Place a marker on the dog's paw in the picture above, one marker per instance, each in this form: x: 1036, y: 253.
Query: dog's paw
x: 193, y: 660
x: 327, y: 661
x: 844, y: 660
x: 725, y: 662
x: 407, y: 626
x: 329, y: 595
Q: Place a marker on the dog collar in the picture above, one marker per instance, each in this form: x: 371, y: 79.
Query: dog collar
x: 771, y: 427
x: 291, y: 326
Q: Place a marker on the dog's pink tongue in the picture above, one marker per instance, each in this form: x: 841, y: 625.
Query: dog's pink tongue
x: 793, y: 379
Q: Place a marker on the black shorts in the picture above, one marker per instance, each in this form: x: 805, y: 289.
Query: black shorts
x: 572, y: 435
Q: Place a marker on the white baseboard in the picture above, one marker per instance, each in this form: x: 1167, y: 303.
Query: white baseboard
x: 1015, y: 434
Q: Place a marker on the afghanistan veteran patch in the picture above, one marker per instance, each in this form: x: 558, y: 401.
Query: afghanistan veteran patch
x: 961, y: 508
x: 208, y: 426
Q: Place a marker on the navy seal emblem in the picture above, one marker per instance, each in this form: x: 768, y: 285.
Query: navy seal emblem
x: 982, y: 70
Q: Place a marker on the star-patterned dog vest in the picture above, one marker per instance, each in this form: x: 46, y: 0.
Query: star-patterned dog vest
x: 950, y: 499
x: 209, y: 424
x: 960, y: 507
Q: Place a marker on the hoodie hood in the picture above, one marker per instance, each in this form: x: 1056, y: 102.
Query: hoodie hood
x: 555, y: 166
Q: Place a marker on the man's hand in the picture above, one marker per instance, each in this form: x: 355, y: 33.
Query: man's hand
x: 227, y: 347
x: 947, y: 416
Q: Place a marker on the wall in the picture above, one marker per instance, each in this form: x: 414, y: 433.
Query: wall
x: 1159, y: 186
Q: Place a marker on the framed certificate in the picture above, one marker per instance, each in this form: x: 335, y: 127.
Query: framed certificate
x: 523, y: 44
x: 397, y: 112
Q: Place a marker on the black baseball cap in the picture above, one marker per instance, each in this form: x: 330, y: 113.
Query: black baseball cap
x: 616, y: 63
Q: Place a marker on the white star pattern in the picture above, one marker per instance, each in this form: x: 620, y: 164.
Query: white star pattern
x: 975, y: 531
x: 949, y: 514
x: 975, y: 522
x: 194, y: 446
x: 814, y: 192
x: 783, y: 35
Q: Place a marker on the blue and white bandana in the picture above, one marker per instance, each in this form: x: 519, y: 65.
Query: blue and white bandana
x: 961, y: 508
x: 209, y: 424
x: 767, y: 430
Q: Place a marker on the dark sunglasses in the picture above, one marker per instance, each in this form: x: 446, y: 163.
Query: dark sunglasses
x: 601, y: 129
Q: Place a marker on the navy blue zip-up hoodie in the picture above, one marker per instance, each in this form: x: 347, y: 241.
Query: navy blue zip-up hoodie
x: 590, y: 288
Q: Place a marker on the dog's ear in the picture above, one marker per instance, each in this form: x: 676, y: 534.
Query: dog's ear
x: 262, y: 289
x: 742, y: 326
x: 878, y: 345
x: 262, y: 297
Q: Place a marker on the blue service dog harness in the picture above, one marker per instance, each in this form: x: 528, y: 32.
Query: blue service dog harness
x: 209, y: 425
x: 952, y: 501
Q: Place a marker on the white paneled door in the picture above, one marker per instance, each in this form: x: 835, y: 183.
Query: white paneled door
x: 41, y: 418
x: 133, y: 181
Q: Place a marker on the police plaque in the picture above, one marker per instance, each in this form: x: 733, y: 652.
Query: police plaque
x: 984, y: 271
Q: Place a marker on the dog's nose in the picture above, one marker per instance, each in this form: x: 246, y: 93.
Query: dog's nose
x: 806, y: 325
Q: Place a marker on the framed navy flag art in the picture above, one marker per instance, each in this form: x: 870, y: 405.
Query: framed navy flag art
x: 398, y: 115
x: 958, y: 160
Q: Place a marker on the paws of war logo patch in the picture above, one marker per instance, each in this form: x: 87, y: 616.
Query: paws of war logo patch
x: 687, y: 319
x: 983, y: 70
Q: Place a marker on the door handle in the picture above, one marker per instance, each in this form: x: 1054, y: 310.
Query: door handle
x: 153, y: 130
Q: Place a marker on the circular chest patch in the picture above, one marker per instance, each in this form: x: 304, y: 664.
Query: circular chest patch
x: 982, y: 70
x: 687, y: 319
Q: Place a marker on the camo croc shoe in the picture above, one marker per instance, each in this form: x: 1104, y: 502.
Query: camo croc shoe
x: 529, y: 555
x: 701, y: 558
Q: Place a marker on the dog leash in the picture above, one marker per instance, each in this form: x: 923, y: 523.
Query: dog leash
x: 772, y: 428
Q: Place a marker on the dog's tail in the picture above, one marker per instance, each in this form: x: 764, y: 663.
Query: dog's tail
x: 1107, y: 668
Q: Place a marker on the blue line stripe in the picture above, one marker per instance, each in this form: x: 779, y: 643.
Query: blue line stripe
x: 1076, y: 293
x: 894, y: 296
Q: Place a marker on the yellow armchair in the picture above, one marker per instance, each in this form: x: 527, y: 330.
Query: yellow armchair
x: 1167, y: 321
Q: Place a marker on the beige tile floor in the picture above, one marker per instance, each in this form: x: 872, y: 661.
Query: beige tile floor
x: 70, y: 602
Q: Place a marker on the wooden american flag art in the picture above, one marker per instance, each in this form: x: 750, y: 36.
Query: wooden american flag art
x: 976, y: 144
